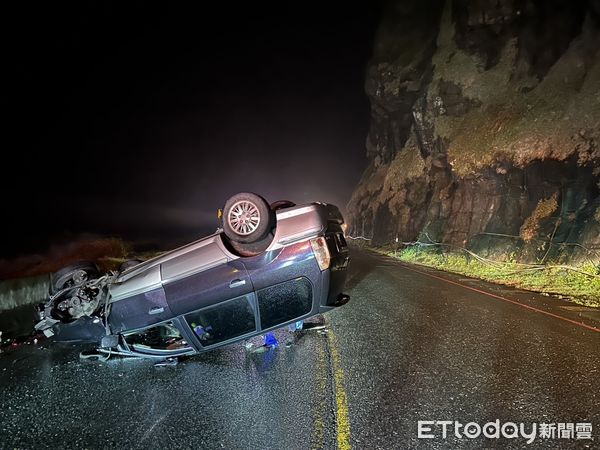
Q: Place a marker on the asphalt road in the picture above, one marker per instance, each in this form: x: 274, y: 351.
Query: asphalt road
x: 410, y: 345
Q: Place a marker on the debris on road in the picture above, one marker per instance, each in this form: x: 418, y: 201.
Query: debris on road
x: 173, y: 361
x: 296, y: 326
x: 318, y: 327
x: 93, y: 355
x: 271, y: 340
x: 14, y: 342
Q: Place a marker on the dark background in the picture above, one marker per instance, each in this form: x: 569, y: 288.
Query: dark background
x: 138, y: 120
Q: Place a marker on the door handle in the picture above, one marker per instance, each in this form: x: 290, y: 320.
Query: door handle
x: 237, y: 283
x: 156, y: 310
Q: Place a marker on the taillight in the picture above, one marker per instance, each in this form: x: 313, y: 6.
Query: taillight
x: 319, y: 246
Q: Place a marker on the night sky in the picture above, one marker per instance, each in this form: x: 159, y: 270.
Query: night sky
x: 138, y: 120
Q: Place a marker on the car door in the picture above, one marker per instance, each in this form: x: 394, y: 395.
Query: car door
x: 287, y: 284
x: 207, y: 288
x: 217, y: 304
x: 223, y: 322
x: 138, y: 302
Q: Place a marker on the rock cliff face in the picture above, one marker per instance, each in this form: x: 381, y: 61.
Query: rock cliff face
x: 485, y: 128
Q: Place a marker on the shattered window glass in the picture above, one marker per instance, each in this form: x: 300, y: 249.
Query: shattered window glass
x: 160, y: 337
x: 226, y: 321
x: 284, y: 302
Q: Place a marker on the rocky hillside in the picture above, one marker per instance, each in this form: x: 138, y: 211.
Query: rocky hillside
x: 485, y: 128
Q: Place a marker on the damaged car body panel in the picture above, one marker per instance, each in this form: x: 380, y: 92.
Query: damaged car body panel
x: 205, y: 295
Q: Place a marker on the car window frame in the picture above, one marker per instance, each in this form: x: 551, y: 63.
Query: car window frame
x: 134, y: 348
x: 252, y: 300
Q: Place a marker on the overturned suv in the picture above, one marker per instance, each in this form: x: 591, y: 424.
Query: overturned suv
x: 268, y: 266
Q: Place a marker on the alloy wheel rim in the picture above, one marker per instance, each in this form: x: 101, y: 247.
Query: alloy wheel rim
x: 243, y: 217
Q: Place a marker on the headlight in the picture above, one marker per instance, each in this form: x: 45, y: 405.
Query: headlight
x: 319, y: 246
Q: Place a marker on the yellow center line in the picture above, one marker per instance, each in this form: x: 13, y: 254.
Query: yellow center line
x: 342, y: 416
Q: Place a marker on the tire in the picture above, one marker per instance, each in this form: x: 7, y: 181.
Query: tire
x: 129, y: 264
x: 59, y: 280
x: 281, y: 204
x: 247, y: 218
x: 252, y: 249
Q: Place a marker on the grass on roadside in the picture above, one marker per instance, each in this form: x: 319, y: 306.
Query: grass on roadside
x: 575, y: 286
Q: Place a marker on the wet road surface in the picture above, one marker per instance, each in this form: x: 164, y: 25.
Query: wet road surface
x: 410, y: 345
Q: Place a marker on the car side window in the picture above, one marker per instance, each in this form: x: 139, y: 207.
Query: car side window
x: 164, y: 336
x: 221, y: 323
x: 284, y: 301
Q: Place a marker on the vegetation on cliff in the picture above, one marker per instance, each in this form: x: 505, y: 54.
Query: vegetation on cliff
x: 486, y: 136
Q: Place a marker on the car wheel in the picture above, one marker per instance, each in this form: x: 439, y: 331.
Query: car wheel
x: 73, y: 274
x: 281, y: 204
x: 247, y: 218
x: 129, y: 264
x: 254, y: 248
